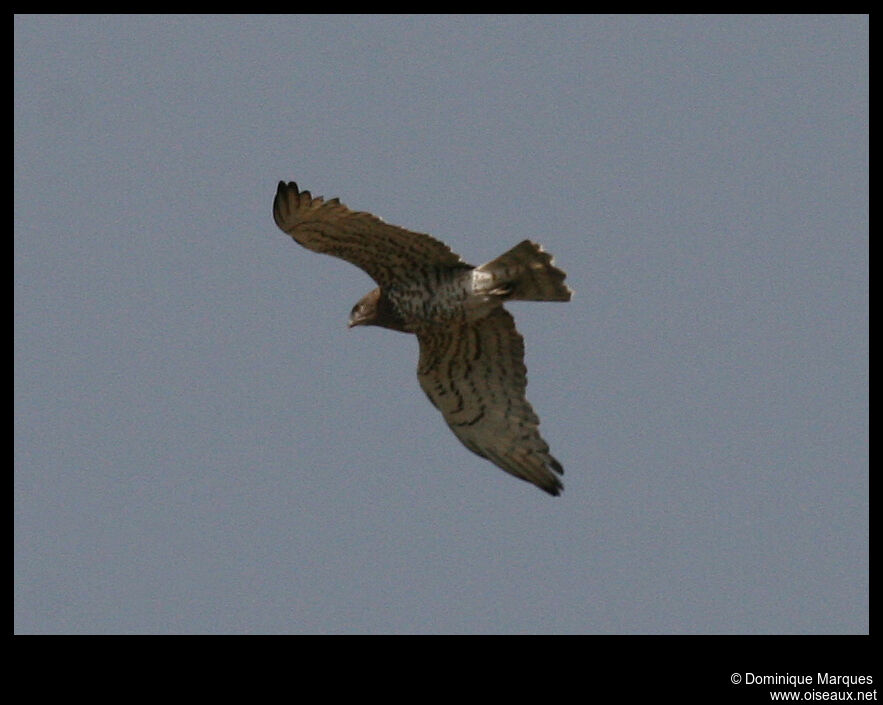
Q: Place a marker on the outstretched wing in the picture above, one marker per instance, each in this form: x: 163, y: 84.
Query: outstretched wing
x: 474, y: 374
x: 386, y: 252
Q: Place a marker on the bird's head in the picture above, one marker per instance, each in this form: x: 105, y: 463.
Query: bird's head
x: 365, y: 312
x: 374, y: 309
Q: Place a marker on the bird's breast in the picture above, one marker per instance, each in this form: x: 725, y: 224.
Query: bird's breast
x: 441, y: 296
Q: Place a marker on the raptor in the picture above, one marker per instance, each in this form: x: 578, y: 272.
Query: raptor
x: 471, y: 362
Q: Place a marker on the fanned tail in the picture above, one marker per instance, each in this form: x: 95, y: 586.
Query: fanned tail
x: 524, y: 273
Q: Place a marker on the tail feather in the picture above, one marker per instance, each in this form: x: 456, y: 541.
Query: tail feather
x: 524, y: 273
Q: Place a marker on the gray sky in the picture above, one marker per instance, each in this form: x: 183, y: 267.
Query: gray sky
x: 201, y: 446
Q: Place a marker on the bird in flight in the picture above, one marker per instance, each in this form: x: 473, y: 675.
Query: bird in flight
x: 471, y: 356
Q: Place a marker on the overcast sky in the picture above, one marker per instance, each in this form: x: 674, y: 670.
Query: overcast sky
x: 202, y: 446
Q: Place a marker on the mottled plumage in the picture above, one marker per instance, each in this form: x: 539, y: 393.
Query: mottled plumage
x: 471, y: 356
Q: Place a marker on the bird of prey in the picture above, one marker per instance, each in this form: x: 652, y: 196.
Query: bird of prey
x: 471, y: 356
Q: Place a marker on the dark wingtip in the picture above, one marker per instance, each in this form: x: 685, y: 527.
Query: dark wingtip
x: 554, y: 486
x: 555, y: 489
x: 280, y: 203
x: 288, y: 197
x: 285, y: 187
